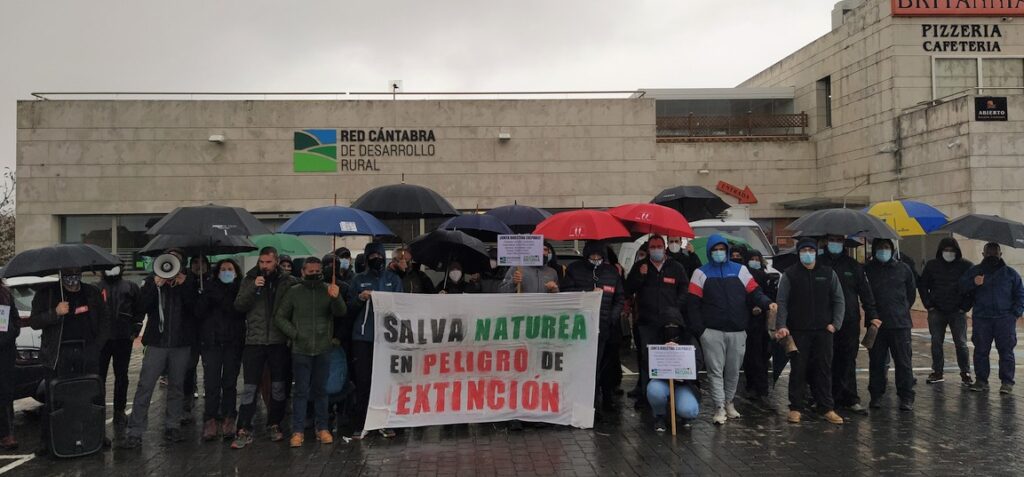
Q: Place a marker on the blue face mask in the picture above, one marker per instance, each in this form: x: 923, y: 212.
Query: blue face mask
x: 718, y: 256
x: 883, y: 255
x: 227, y: 276
x: 754, y: 265
x: 807, y: 258
x: 344, y: 263
x: 835, y: 248
x: 657, y: 254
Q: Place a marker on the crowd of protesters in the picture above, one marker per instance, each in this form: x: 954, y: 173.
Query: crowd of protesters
x: 303, y: 329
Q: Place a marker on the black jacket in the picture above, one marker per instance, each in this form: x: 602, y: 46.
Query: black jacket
x: 454, y: 287
x: 810, y: 300
x: 124, y: 307
x: 178, y: 328
x: 689, y: 261
x: 939, y: 284
x: 87, y: 303
x: 856, y: 290
x: 220, y: 322
x: 415, y: 281
x: 259, y: 305
x: 661, y: 294
x: 895, y: 290
x: 581, y: 276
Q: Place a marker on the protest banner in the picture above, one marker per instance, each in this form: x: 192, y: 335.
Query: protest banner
x: 452, y: 359
x: 672, y: 361
x: 520, y: 250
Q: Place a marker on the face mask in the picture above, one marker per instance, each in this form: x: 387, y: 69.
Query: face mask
x: 71, y: 281
x: 718, y: 256
x: 344, y: 263
x: 657, y: 254
x: 547, y: 258
x: 494, y: 264
x: 883, y: 255
x: 754, y: 265
x: 835, y: 248
x: 949, y: 256
x: 807, y: 258
x: 375, y: 263
x: 455, y: 275
x: 674, y: 247
x: 596, y: 263
x: 315, y: 277
x: 113, y: 272
x: 227, y: 276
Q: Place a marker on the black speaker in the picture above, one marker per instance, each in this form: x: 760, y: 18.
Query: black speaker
x: 77, y: 415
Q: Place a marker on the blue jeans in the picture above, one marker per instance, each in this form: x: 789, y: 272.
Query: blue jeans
x: 1004, y: 332
x: 687, y: 406
x: 310, y: 375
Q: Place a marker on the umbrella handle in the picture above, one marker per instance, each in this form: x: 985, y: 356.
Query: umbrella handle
x: 519, y: 286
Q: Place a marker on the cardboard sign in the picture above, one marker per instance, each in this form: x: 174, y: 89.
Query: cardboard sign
x: 454, y: 359
x: 520, y: 250
x: 672, y: 361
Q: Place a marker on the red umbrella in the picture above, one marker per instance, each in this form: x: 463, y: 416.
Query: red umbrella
x: 653, y: 219
x: 581, y: 225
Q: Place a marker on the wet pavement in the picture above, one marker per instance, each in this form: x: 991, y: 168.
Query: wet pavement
x: 950, y: 432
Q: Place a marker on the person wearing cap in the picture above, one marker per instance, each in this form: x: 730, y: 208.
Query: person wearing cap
x: 286, y: 264
x: 998, y: 303
x: 895, y: 290
x: 846, y: 342
x: 811, y: 310
x: 722, y: 294
x: 596, y: 274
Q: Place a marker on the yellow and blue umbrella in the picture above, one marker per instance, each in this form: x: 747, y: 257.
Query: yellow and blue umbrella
x: 909, y: 218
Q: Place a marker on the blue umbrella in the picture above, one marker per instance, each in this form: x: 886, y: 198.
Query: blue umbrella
x: 337, y: 221
x: 487, y: 228
x: 519, y: 218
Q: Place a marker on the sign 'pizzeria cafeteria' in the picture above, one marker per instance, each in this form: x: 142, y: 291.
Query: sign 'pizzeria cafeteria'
x: 958, y: 8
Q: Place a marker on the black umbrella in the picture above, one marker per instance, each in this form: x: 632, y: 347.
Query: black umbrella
x: 404, y: 201
x: 209, y: 221
x: 842, y: 222
x: 45, y: 261
x: 990, y: 228
x: 194, y: 245
x: 440, y: 247
x: 694, y: 202
x: 484, y: 227
x: 522, y: 219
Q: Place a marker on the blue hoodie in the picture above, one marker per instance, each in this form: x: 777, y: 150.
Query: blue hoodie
x: 375, y: 280
x: 722, y: 294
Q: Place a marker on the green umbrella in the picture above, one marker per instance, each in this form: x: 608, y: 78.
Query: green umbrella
x: 700, y: 245
x: 286, y: 244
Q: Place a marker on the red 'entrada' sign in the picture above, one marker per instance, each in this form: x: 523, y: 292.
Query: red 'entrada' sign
x: 745, y: 195
x: 957, y: 8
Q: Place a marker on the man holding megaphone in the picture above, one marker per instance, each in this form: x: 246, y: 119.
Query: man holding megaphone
x: 168, y: 296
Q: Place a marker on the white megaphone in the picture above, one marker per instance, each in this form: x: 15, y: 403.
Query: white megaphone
x: 167, y: 266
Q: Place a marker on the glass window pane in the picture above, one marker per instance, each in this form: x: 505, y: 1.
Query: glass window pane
x: 94, y: 229
x: 1002, y: 72
x: 131, y: 231
x: 953, y: 75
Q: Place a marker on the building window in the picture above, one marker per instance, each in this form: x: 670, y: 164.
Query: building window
x: 824, y: 88
x: 1002, y: 73
x: 955, y: 75
x: 93, y: 229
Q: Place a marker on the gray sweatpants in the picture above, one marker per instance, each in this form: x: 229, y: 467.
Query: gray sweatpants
x: 723, y: 356
x: 155, y: 361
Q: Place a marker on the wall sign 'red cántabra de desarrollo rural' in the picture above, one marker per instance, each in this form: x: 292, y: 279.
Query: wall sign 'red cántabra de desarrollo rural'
x: 357, y: 150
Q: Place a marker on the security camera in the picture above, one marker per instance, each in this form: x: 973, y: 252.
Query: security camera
x: 217, y: 138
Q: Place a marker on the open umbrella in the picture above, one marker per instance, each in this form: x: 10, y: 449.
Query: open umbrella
x: 209, y: 220
x: 194, y: 245
x: 522, y: 219
x: 694, y: 202
x: 908, y: 217
x: 336, y: 221
x: 438, y: 248
x: 653, y: 219
x: 404, y: 201
x: 45, y: 261
x: 484, y: 227
x: 581, y: 224
x: 990, y: 228
x: 842, y: 222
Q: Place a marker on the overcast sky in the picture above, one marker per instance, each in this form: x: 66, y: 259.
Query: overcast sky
x: 439, y: 45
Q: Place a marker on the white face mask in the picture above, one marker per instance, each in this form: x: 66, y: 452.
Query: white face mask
x: 455, y: 275
x: 674, y: 247
x: 494, y: 264
x: 949, y: 256
x: 113, y: 272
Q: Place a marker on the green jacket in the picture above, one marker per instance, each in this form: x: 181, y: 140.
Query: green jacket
x: 259, y: 309
x: 306, y: 316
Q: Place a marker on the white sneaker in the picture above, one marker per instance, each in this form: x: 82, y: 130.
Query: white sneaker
x: 719, y: 417
x: 730, y: 411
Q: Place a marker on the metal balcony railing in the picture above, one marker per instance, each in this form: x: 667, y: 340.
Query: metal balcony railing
x: 750, y: 125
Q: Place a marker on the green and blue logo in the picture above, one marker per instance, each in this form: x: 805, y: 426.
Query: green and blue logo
x: 316, y: 150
